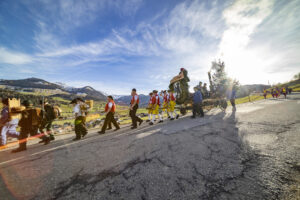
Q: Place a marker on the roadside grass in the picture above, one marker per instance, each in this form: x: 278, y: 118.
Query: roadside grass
x: 250, y: 99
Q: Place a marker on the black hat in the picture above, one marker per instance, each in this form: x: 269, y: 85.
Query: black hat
x: 5, y: 101
x: 73, y: 101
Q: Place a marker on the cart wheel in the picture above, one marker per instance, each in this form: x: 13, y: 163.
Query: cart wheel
x: 183, y: 111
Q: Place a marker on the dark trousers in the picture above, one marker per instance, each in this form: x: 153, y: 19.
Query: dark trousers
x: 80, y: 128
x: 110, y: 118
x: 197, y: 109
x: 232, y: 101
x: 134, y: 118
x: 46, y: 124
x: 24, y: 133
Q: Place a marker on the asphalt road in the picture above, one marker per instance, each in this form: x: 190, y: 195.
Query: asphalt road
x: 252, y: 153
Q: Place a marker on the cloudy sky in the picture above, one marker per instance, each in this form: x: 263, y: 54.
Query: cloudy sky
x: 115, y: 45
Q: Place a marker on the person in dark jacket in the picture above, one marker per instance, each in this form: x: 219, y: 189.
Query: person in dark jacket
x: 29, y: 124
x: 48, y: 116
x: 197, y: 103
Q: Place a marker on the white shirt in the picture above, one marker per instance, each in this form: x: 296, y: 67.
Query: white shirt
x: 110, y: 104
x: 77, y: 110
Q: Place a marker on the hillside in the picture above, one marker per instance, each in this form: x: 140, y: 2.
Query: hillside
x: 40, y: 87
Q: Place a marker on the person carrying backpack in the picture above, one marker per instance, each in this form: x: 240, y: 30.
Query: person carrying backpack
x: 29, y: 124
x: 48, y: 115
x: 8, y: 126
x: 80, y: 111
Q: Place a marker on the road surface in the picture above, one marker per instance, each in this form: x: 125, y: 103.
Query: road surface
x: 252, y: 153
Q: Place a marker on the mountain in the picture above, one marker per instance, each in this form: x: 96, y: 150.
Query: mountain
x: 125, y: 100
x: 88, y: 92
x: 66, y: 92
x: 30, y: 83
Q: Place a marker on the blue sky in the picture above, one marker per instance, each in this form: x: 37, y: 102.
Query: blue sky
x: 115, y: 45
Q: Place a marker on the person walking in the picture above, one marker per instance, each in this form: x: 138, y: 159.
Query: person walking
x: 166, y: 104
x: 110, y: 109
x: 48, y: 115
x: 197, y: 103
x: 79, y: 111
x: 155, y: 107
x: 265, y: 93
x: 172, y: 105
x: 8, y: 126
x: 231, y: 96
x: 29, y: 124
x: 150, y: 107
x: 134, y: 105
x: 284, y: 92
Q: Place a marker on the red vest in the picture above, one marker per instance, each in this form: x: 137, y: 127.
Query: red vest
x: 113, y: 108
x: 150, y: 100
x: 154, y: 100
x: 137, y: 101
x: 172, y: 98
x: 166, y: 98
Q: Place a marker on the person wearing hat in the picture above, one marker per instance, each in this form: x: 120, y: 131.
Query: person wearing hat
x: 110, y: 109
x: 29, y: 124
x: 150, y: 107
x: 80, y: 118
x: 166, y: 104
x: 172, y: 105
x: 134, y: 105
x: 155, y: 107
x: 8, y: 126
x: 48, y: 116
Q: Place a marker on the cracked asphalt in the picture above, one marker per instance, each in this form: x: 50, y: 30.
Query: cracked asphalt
x: 252, y: 153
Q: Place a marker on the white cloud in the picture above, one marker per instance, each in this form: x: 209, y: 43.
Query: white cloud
x: 14, y: 58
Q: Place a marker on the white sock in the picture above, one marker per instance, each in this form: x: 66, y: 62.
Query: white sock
x: 153, y: 118
x: 149, y: 116
x: 160, y: 118
x: 172, y: 115
x: 162, y: 115
x: 175, y: 114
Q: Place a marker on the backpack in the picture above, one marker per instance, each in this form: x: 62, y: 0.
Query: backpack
x: 30, y: 117
x: 52, y: 112
x: 57, y: 112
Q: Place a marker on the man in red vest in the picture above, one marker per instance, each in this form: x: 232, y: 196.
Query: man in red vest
x: 110, y: 110
x: 134, y: 105
x: 155, y: 107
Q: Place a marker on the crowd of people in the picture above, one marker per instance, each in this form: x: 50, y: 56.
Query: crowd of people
x: 276, y: 92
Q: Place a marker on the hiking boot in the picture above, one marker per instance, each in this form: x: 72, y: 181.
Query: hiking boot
x: 141, y: 122
x: 134, y: 127
x: 148, y: 120
x: 51, y: 137
x: 84, y: 134
x: 161, y: 121
x: 75, y: 139
x: 193, y: 117
x: 172, y: 119
x: 177, y: 116
x: 117, y: 129
x: 101, y: 132
x: 151, y: 123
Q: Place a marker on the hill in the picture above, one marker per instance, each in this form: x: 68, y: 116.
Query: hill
x: 45, y: 88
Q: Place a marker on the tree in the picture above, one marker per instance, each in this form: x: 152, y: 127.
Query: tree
x: 297, y: 76
x: 220, y: 82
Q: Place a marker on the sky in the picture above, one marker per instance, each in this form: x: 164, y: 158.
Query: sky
x: 117, y: 45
